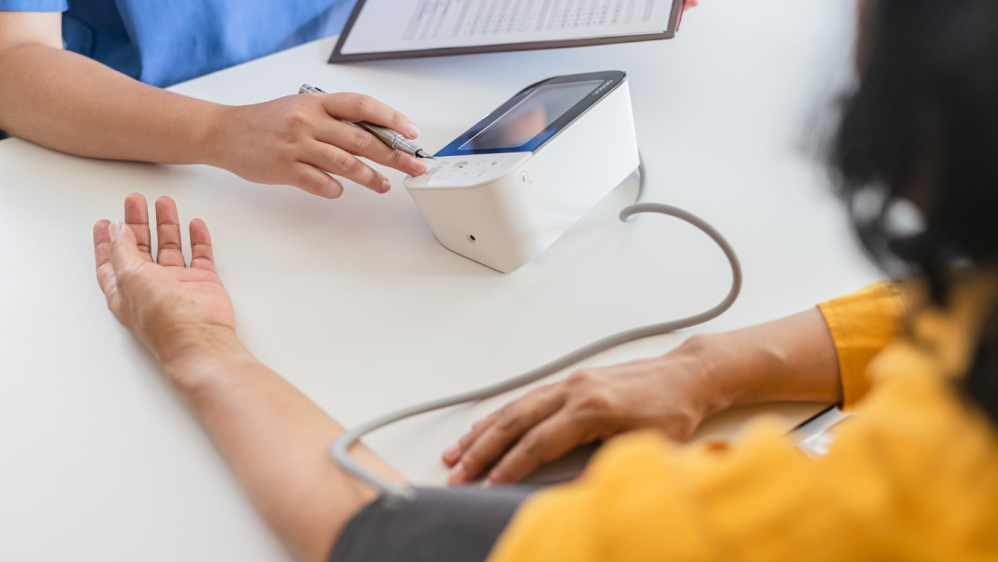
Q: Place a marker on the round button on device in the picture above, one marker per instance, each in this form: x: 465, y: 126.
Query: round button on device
x: 524, y: 178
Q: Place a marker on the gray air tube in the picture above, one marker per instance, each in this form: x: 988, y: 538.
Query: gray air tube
x: 398, y: 495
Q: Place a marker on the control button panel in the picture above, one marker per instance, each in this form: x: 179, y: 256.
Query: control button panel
x: 457, y: 168
x: 468, y: 170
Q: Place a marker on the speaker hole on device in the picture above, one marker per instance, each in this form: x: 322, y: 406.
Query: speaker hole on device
x: 471, y: 238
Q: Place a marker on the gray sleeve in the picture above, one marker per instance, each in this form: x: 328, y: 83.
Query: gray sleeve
x: 442, y: 524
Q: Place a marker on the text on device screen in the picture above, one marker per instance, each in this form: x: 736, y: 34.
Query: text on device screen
x: 531, y: 116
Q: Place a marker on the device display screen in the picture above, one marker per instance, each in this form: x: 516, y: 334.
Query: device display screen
x: 531, y: 116
x: 535, y: 115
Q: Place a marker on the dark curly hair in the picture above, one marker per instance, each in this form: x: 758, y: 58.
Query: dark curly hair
x: 920, y: 129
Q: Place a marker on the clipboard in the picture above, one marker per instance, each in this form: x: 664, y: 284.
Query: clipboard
x: 338, y: 55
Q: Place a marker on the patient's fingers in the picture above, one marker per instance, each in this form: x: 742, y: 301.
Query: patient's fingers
x: 546, y: 442
x: 125, y: 252
x: 169, y: 252
x: 514, y: 420
x: 137, y: 217
x: 202, y: 256
x: 453, y: 454
x: 102, y: 255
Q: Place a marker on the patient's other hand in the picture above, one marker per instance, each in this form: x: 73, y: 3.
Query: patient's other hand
x: 793, y: 358
x: 671, y: 393
x: 172, y: 308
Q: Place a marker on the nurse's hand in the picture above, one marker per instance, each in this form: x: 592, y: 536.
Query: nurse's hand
x: 301, y: 140
x: 670, y: 393
x: 177, y: 311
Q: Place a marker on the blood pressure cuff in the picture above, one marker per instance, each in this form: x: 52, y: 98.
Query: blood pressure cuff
x: 441, y: 524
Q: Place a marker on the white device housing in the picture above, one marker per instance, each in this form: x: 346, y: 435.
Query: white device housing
x: 503, y: 209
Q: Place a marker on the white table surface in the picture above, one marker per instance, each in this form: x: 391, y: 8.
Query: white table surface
x: 357, y: 304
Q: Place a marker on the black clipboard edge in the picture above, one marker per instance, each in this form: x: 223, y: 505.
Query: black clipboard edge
x: 336, y: 57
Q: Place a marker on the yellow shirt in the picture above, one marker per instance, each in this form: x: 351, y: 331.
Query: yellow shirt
x: 914, y: 477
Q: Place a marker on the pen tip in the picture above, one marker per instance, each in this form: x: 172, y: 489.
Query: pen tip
x: 422, y: 154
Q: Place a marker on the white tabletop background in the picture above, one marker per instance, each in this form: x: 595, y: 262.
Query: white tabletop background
x: 356, y: 303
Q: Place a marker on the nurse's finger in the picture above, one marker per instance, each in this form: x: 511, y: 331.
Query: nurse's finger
x: 546, y: 442
x: 337, y: 161
x: 513, y: 421
x: 312, y: 180
x: 169, y: 252
x: 137, y: 217
x: 358, y: 107
x: 362, y: 143
x: 202, y: 254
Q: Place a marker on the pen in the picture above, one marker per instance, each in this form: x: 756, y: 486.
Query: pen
x: 383, y: 134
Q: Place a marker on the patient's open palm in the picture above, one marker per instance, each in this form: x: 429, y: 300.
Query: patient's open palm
x: 168, y: 305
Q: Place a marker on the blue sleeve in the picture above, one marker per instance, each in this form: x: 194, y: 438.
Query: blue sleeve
x: 34, y: 5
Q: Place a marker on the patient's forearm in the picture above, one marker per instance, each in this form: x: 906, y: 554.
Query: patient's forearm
x: 276, y: 440
x: 70, y: 103
x: 792, y: 358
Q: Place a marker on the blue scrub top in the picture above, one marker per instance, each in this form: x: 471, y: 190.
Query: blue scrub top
x: 162, y: 42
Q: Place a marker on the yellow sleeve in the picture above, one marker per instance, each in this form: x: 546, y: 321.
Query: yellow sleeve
x: 862, y: 324
x: 912, y: 479
x: 644, y: 498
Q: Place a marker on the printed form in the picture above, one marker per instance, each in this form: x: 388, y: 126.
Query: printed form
x: 410, y: 25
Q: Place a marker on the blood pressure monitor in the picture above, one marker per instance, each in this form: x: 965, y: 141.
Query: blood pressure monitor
x: 506, y: 189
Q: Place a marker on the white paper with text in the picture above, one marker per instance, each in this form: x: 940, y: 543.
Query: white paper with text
x: 414, y: 25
